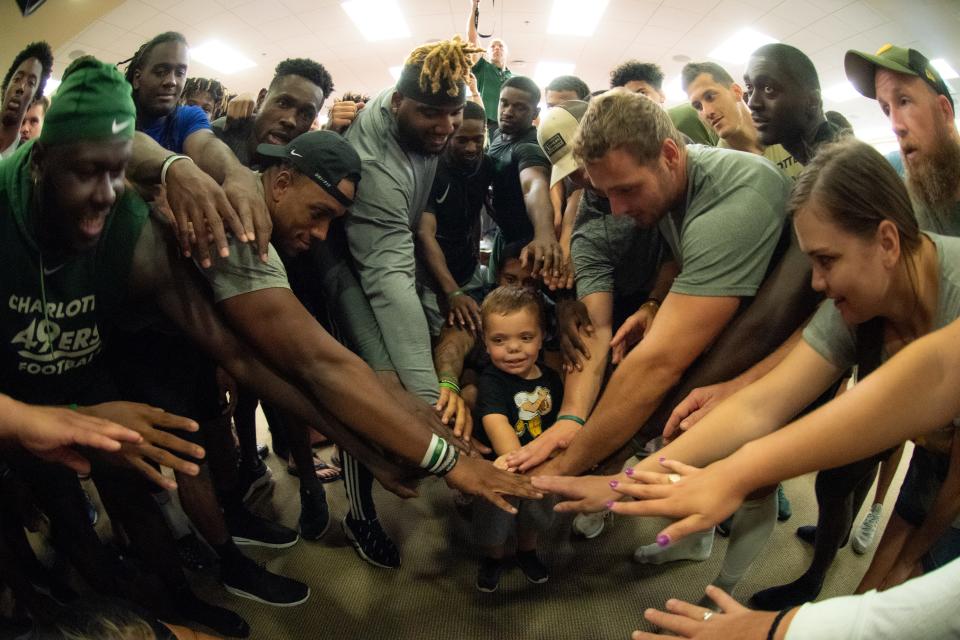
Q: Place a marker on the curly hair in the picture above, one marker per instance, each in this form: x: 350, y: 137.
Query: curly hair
x: 218, y: 93
x: 42, y: 52
x: 443, y: 63
x: 632, y: 70
x: 305, y: 68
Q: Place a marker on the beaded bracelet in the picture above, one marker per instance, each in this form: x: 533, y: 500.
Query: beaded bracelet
x: 580, y: 421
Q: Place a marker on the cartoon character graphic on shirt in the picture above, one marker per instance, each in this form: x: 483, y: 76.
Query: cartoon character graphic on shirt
x: 531, y: 405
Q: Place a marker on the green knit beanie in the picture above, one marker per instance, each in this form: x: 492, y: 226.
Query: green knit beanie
x: 92, y: 103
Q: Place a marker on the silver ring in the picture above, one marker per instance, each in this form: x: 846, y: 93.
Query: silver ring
x: 707, y: 615
x: 674, y: 478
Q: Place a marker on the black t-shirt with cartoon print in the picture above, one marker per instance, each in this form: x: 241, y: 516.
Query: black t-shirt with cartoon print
x: 531, y: 406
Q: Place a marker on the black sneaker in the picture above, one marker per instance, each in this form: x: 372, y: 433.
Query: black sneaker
x: 245, y: 578
x: 488, y: 575
x: 249, y: 530
x: 371, y: 542
x: 535, y: 571
x: 194, y: 554
x: 223, y: 621
x: 314, y: 514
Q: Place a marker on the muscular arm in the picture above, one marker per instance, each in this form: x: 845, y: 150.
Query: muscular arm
x: 779, y: 309
x: 430, y: 249
x: 452, y: 350
x: 685, y: 326
x: 536, y: 198
x: 581, y: 387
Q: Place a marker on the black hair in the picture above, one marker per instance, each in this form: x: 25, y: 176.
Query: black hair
x: 473, y: 111
x: 793, y: 62
x: 692, y: 70
x: 510, y: 251
x: 569, y: 83
x: 526, y: 85
x: 305, y: 68
x: 216, y: 90
x: 632, y: 70
x: 39, y: 50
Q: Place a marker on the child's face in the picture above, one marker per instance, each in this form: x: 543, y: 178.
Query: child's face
x: 513, y: 340
x: 512, y: 274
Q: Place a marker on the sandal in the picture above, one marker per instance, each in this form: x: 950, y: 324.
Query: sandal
x: 326, y: 473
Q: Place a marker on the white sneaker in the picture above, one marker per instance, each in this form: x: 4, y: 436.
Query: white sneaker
x: 868, y: 530
x: 590, y: 525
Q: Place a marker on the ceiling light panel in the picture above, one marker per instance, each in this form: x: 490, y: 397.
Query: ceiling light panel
x: 575, y: 17
x: 220, y: 57
x: 944, y: 69
x: 738, y: 47
x: 547, y: 71
x: 842, y: 92
x: 377, y: 19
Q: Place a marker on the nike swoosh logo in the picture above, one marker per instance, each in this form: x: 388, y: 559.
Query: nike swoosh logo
x: 118, y: 127
x: 293, y: 152
x: 50, y: 272
x: 442, y: 198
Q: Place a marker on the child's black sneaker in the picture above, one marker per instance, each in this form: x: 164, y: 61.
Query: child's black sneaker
x: 531, y: 566
x: 488, y: 575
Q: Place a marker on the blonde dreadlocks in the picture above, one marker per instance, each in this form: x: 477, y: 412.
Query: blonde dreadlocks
x: 444, y: 63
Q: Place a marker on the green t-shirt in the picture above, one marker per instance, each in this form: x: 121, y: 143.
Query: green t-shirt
x: 688, y: 122
x: 730, y: 223
x: 243, y: 272
x: 48, y: 354
x: 489, y: 80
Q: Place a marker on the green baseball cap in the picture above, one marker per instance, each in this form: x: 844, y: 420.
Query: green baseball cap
x: 861, y: 69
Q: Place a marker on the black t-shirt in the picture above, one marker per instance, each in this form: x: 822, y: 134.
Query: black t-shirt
x: 531, y: 406
x: 510, y: 157
x: 456, y: 199
x: 237, y: 137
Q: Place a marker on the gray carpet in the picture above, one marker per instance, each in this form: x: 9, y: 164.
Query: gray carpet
x: 595, y: 590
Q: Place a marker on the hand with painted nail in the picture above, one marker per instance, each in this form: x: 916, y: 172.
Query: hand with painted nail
x: 584, y: 494
x: 691, y: 621
x: 698, y: 499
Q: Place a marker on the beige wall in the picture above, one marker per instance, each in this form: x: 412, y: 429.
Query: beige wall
x: 56, y: 22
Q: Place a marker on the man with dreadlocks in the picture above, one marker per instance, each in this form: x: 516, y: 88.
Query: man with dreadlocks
x: 399, y: 135
x: 206, y: 93
x: 22, y: 85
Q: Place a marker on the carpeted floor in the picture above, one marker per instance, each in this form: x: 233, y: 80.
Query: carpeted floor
x: 595, y: 592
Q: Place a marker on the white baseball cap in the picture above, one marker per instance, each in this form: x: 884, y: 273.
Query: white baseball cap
x: 555, y: 136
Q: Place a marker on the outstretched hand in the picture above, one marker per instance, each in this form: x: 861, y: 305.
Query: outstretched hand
x: 695, y: 406
x: 584, y: 494
x: 692, y: 621
x: 533, y: 454
x: 51, y: 433
x: 479, y: 477
x: 697, y: 499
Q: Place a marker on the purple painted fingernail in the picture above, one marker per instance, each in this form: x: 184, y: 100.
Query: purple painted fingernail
x: 613, y: 484
x: 661, y: 459
x: 663, y: 540
x: 629, y: 471
x: 608, y: 504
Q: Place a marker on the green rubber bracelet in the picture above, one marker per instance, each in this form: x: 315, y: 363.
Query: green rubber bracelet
x: 580, y: 421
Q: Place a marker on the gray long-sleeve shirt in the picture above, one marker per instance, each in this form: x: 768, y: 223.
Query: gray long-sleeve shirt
x: 394, y: 188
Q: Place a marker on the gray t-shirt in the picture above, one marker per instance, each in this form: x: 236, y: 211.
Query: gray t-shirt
x: 735, y: 209
x: 393, y: 193
x: 243, y: 272
x: 947, y: 223
x: 611, y: 254
x: 836, y: 341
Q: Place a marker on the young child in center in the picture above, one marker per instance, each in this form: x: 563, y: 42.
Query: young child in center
x: 518, y: 400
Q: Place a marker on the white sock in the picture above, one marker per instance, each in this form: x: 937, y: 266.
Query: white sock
x: 696, y: 546
x: 749, y: 532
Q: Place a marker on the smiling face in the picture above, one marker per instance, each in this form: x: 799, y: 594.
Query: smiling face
x: 513, y: 340
x: 424, y: 128
x: 466, y: 145
x: 854, y: 271
x: 719, y: 106
x: 32, y: 122
x: 779, y: 105
x: 302, y: 210
x: 79, y: 185
x: 159, y: 81
x: 289, y: 108
x: 20, y: 92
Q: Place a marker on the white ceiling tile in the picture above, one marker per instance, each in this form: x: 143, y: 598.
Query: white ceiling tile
x: 831, y: 28
x: 673, y: 18
x: 830, y: 5
x: 801, y: 13
x: 432, y: 27
x: 258, y: 12
x: 698, y: 6
x: 283, y: 29
x: 304, y: 6
x: 658, y: 37
x: 130, y: 14
x: 99, y: 33
x: 430, y: 7
x: 776, y: 27
x: 159, y: 24
x: 192, y: 12
x: 860, y: 17
x: 638, y: 11
x: 732, y: 14
x: 808, y: 41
